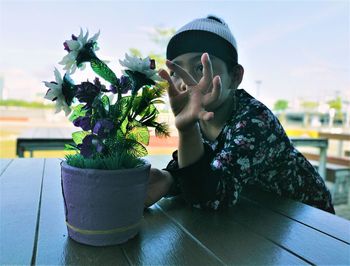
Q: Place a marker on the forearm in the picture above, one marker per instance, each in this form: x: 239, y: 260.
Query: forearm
x: 191, y: 147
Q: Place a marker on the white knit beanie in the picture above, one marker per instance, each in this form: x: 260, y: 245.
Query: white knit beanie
x: 210, y: 34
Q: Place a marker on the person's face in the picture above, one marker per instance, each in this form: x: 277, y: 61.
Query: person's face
x: 191, y: 62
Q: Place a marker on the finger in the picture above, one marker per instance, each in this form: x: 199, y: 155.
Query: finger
x: 172, y: 91
x: 182, y: 73
x: 207, y: 70
x: 215, y: 93
x: 205, y: 116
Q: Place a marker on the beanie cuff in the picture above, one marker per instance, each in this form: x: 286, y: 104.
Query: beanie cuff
x: 202, y: 41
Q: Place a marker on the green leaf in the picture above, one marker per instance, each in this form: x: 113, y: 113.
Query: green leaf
x: 121, y: 107
x: 99, y: 109
x: 105, y: 102
x: 158, y: 101
x: 78, y: 111
x: 161, y: 129
x: 123, y: 126
x: 139, y: 134
x: 150, y: 113
x: 135, y: 148
x: 79, y: 136
x: 70, y: 147
x: 101, y: 69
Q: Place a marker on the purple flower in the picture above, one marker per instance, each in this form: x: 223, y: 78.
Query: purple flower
x: 86, y: 147
x: 103, y: 127
x: 66, y: 47
x: 84, y: 122
x: 87, y: 92
x: 98, y: 84
x: 90, y: 145
x: 125, y: 84
x: 113, y: 89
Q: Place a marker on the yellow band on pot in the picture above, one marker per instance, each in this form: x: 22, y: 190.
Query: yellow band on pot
x: 103, y: 232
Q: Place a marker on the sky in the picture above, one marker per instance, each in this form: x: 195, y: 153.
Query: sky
x: 289, y: 49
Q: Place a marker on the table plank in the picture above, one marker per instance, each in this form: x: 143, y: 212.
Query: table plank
x: 4, y: 163
x: 312, y: 245
x: 54, y: 246
x: 229, y: 240
x: 320, y: 220
x: 20, y: 186
x: 162, y: 242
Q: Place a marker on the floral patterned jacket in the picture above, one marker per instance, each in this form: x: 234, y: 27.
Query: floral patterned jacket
x: 252, y: 148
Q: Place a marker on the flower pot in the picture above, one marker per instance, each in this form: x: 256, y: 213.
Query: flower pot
x: 103, y: 207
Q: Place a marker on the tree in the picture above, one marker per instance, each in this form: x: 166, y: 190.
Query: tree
x: 335, y: 104
x: 309, y: 105
x: 280, y: 105
x: 160, y: 36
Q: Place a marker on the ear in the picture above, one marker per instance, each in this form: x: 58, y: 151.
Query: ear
x: 237, y: 75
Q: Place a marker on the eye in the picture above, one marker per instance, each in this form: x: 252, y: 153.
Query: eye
x: 173, y: 74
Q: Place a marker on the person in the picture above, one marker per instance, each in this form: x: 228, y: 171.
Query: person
x: 227, y: 138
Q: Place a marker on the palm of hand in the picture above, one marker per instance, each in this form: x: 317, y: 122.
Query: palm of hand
x: 189, y: 105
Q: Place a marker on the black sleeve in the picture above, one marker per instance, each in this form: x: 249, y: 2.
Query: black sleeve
x: 197, y: 182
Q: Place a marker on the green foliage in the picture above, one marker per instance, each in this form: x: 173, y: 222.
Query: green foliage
x: 101, y: 69
x: 120, y: 129
x: 79, y: 136
x: 160, y: 36
x: 309, y: 104
x: 139, y: 134
x: 77, y: 111
x: 280, y: 105
x: 135, y: 52
x: 21, y: 103
x: 69, y: 147
x: 336, y: 104
x: 118, y: 161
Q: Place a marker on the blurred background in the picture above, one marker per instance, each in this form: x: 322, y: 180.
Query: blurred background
x: 296, y: 56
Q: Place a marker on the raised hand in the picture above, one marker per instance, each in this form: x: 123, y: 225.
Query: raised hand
x: 190, y: 104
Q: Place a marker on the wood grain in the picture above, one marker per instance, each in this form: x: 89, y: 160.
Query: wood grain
x: 315, y: 218
x: 4, y: 163
x: 220, y: 232
x: 20, y: 197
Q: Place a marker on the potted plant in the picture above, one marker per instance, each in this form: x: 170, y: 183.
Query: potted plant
x: 104, y: 183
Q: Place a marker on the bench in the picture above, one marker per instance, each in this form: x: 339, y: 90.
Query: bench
x: 321, y: 144
x: 337, y: 176
x: 341, y: 138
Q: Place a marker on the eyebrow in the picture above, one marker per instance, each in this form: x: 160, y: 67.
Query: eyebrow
x: 193, y: 58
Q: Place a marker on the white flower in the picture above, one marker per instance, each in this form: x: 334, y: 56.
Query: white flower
x: 55, y: 93
x: 73, y: 47
x: 143, y: 66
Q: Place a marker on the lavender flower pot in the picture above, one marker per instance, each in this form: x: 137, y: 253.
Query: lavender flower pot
x: 103, y: 207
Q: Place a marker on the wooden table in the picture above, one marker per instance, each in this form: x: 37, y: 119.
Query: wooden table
x: 44, y: 138
x: 261, y: 229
